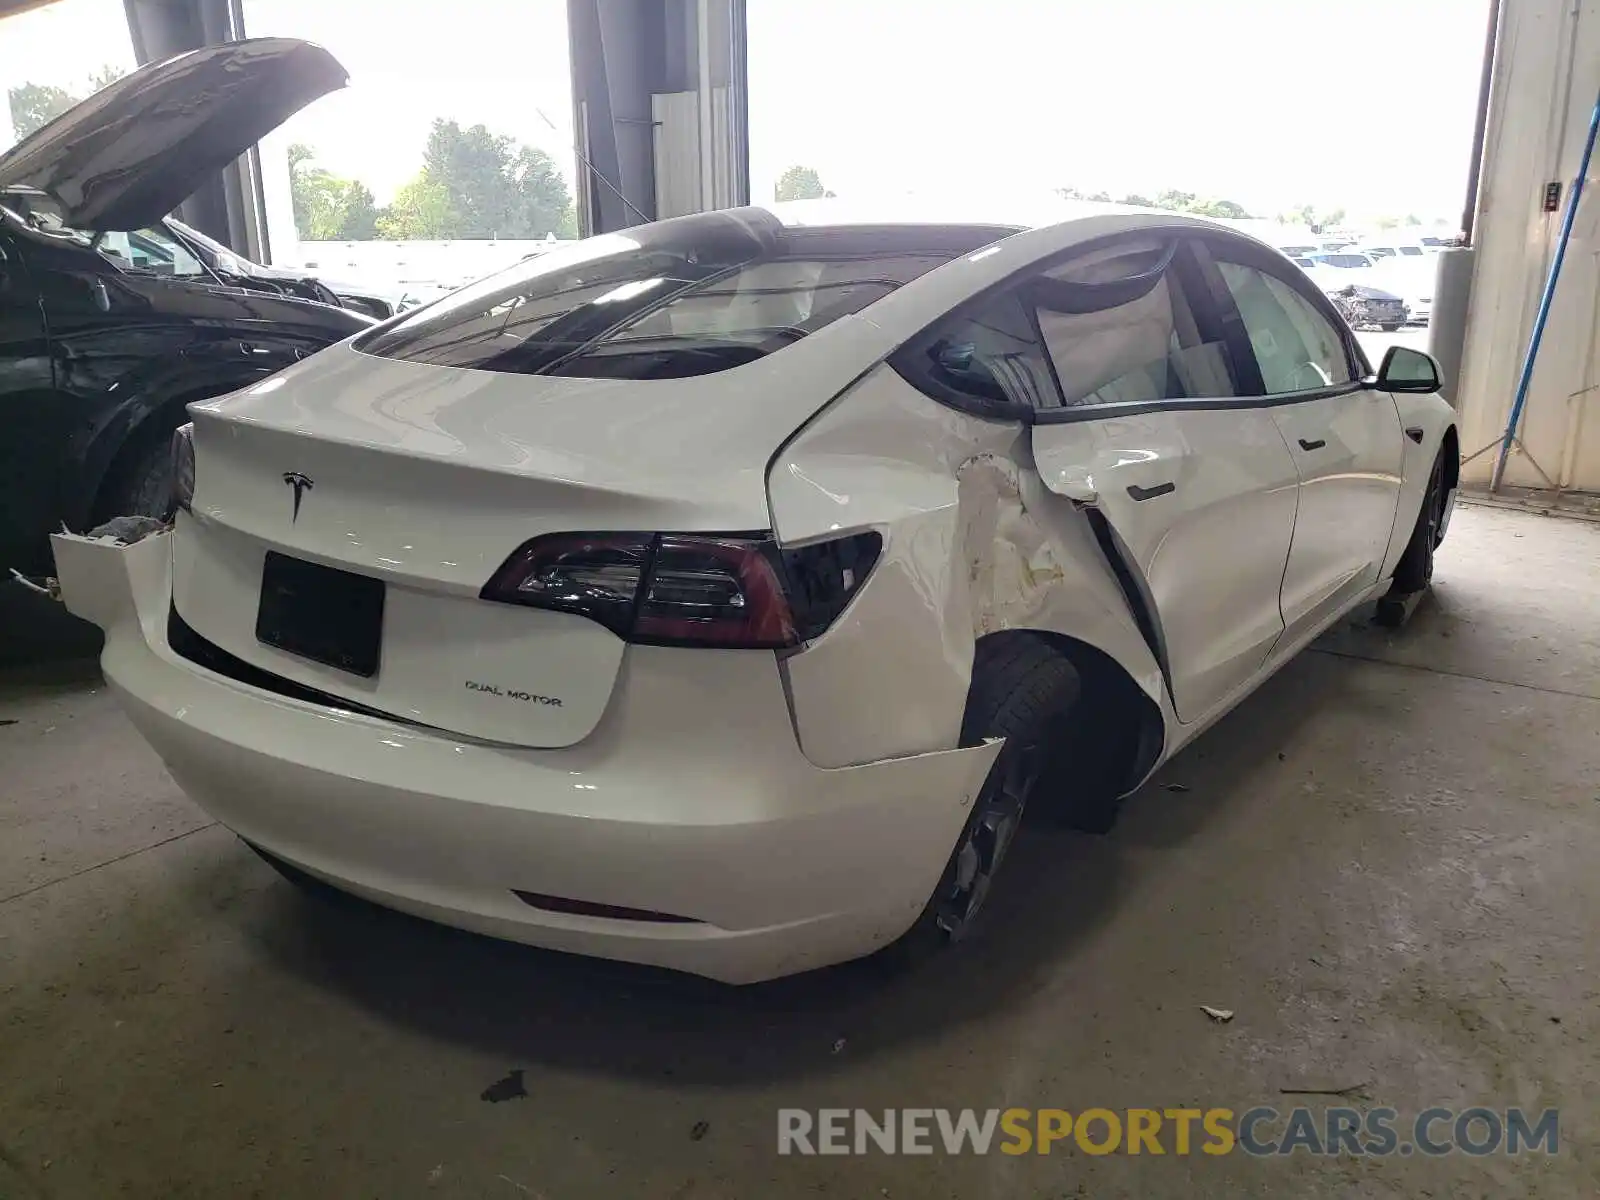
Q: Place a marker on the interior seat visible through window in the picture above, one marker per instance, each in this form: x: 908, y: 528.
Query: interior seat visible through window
x: 1297, y: 347
x: 1119, y: 329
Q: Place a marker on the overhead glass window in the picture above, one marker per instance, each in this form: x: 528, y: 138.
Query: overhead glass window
x: 1296, y: 346
x: 686, y: 297
x: 1119, y: 329
x: 449, y: 156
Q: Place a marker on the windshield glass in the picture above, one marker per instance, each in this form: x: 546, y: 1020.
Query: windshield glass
x: 684, y: 297
x: 1345, y: 260
x: 222, y: 258
x: 154, y: 250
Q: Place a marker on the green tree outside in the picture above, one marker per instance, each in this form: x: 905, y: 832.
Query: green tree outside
x: 496, y: 188
x: 421, y: 211
x: 800, y: 183
x: 35, y: 105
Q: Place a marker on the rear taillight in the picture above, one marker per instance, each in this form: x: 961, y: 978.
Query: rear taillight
x: 689, y: 590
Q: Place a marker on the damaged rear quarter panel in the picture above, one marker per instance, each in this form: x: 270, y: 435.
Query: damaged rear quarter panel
x: 973, y: 544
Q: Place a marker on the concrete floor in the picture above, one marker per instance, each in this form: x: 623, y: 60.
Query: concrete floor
x: 1384, y: 862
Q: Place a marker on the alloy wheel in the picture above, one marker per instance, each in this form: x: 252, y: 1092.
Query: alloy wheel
x: 988, y: 836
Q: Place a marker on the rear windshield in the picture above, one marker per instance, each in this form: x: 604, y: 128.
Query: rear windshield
x: 689, y: 296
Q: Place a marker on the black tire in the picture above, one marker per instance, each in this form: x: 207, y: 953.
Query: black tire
x: 1389, y: 326
x: 1024, y: 691
x: 1414, y: 572
x: 140, y: 481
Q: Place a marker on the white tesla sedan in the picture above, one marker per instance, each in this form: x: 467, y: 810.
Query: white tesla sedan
x: 719, y: 594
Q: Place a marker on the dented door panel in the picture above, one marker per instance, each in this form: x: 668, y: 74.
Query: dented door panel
x: 1204, y: 502
x: 972, y: 545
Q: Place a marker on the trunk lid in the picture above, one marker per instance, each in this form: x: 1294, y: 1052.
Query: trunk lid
x: 136, y: 149
x: 428, y: 478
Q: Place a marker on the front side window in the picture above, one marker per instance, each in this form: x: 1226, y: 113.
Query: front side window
x: 682, y: 298
x: 1297, y: 347
x: 1120, y: 329
x: 152, y: 250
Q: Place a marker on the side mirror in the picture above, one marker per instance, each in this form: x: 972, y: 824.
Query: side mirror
x: 1408, y: 370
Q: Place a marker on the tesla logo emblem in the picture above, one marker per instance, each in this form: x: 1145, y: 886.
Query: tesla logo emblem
x: 301, y: 486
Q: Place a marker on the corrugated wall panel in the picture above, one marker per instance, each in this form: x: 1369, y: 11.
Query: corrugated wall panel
x: 677, y: 153
x: 1547, y: 73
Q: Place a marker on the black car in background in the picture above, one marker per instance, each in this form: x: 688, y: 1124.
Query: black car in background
x: 108, y: 327
x: 231, y: 266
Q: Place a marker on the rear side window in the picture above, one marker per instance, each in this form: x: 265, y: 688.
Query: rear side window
x: 1112, y: 326
x: 987, y: 355
x: 1119, y: 329
x: 680, y: 298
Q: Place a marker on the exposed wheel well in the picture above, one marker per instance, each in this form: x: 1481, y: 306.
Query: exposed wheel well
x: 1451, y: 448
x: 157, y: 426
x: 1117, y: 731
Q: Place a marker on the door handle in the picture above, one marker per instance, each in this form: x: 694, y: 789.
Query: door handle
x: 1414, y: 432
x: 1316, y: 445
x: 1150, y: 493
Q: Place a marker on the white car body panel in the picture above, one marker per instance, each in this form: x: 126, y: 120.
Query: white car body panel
x: 779, y: 865
x: 500, y: 459
x: 1348, y: 451
x: 973, y: 545
x: 1433, y: 421
x: 738, y: 813
x: 1210, y: 540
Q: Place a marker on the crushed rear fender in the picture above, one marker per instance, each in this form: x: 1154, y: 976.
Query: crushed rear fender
x: 973, y: 544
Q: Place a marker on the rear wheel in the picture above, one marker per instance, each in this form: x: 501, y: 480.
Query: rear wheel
x: 1022, y: 691
x: 140, y: 481
x: 1390, y: 326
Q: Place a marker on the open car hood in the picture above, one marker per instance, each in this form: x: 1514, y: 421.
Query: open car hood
x: 135, y: 150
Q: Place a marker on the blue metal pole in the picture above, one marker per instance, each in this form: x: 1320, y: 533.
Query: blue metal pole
x: 1544, y: 304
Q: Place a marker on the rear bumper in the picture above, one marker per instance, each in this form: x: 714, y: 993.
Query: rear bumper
x: 691, y: 798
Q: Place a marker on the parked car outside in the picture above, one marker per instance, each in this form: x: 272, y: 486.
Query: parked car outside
x: 378, y: 302
x: 721, y: 595
x: 109, y: 323
x: 1377, y: 250
x: 1411, y: 279
x: 1354, y: 283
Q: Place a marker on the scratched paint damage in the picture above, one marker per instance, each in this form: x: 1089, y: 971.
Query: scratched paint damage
x: 975, y: 543
x: 1012, y: 565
